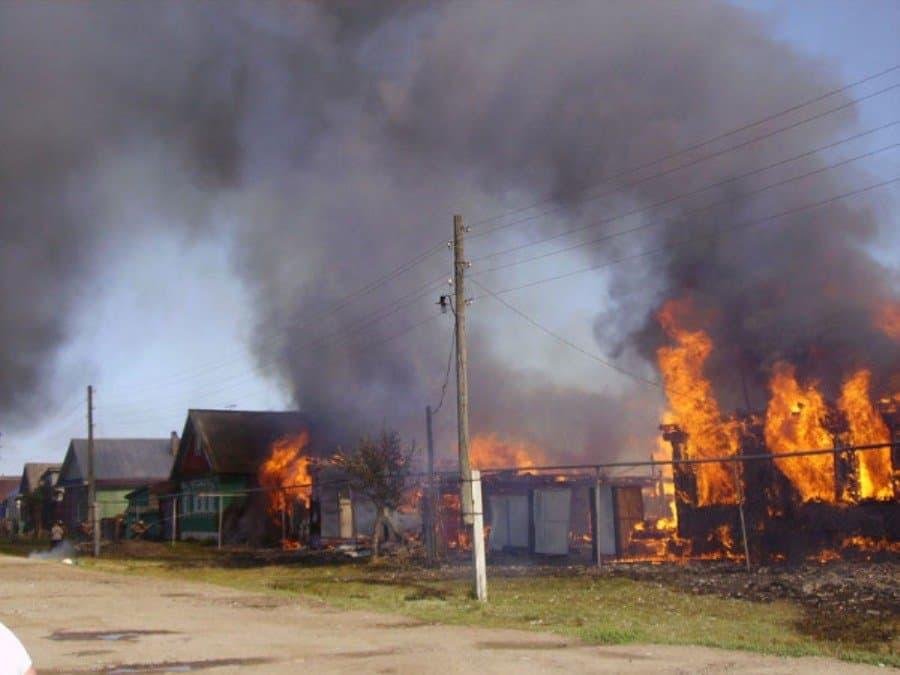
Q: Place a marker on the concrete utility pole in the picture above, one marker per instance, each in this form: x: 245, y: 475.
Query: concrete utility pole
x: 469, y: 515
x: 92, y: 488
x: 429, y: 510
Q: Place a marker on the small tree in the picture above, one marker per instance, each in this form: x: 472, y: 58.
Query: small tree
x: 379, y: 468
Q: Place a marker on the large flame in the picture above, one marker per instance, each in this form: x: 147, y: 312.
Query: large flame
x: 491, y: 451
x: 286, y: 473
x: 694, y: 407
x: 867, y: 428
x: 794, y: 422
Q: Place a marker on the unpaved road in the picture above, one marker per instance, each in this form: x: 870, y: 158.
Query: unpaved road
x: 77, y: 621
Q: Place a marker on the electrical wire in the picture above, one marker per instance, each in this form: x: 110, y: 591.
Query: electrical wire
x: 556, y: 336
x: 435, y: 410
x: 683, y: 242
x: 692, y: 193
x: 719, y: 137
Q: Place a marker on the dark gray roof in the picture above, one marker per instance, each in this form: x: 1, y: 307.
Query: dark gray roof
x: 31, y: 474
x: 8, y: 486
x: 125, y: 462
x: 239, y: 441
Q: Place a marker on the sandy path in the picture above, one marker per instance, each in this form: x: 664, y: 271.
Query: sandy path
x: 204, y: 625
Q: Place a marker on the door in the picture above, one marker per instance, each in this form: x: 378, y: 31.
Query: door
x: 509, y: 522
x: 629, y: 512
x: 552, y: 520
x: 346, y: 508
x: 606, y: 520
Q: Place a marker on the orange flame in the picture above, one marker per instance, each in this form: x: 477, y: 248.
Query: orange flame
x: 664, y: 453
x: 287, y: 468
x: 794, y: 422
x: 866, y: 428
x: 490, y: 451
x: 695, y: 408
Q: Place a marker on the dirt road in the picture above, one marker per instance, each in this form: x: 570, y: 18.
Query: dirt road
x: 77, y: 621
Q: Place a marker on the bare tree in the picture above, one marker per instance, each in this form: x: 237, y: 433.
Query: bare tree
x: 379, y: 468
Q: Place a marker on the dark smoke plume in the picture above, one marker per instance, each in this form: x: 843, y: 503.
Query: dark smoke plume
x: 333, y: 141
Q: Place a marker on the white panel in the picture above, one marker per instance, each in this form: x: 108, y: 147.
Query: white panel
x: 499, y: 536
x: 517, y: 522
x: 606, y: 522
x: 346, y: 508
x: 552, y: 516
x: 331, y: 515
x: 363, y: 516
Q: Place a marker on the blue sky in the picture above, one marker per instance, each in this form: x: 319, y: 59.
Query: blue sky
x: 149, y: 365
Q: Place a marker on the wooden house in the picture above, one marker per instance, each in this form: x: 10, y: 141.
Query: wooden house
x: 120, y: 466
x: 219, y: 458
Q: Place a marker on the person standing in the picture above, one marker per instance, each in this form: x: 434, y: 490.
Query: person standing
x: 14, y: 658
x: 57, y: 533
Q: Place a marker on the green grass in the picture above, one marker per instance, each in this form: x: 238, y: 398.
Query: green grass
x: 593, y: 609
x: 22, y: 547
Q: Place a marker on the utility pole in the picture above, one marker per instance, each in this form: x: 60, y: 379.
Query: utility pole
x: 470, y: 517
x: 462, y: 367
x: 430, y: 502
x: 92, y: 488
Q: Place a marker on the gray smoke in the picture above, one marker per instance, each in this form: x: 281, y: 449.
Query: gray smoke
x: 332, y: 143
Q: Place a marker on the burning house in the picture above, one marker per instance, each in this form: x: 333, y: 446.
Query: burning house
x: 785, y: 501
x: 581, y: 513
x: 562, y: 514
x: 253, y: 467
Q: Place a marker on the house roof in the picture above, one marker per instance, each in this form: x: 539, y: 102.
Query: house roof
x: 31, y: 474
x: 8, y: 486
x: 124, y: 462
x: 239, y: 441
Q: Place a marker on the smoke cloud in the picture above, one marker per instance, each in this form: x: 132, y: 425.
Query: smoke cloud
x: 333, y: 141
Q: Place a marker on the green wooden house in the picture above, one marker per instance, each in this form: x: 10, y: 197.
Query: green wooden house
x: 120, y: 466
x: 144, y: 506
x: 220, y: 453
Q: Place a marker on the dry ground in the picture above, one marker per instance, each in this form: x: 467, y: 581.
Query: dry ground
x: 76, y: 621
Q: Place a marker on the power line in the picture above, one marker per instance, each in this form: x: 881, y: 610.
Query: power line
x: 692, y: 193
x: 644, y: 226
x: 710, y: 141
x: 565, y: 341
x: 447, y: 373
x: 694, y: 161
x: 663, y: 249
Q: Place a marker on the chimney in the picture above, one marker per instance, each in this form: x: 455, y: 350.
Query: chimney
x: 173, y: 440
